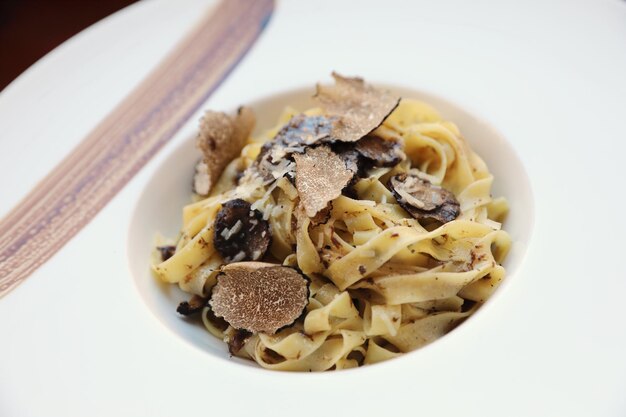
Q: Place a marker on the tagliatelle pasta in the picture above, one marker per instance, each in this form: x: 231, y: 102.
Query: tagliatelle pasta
x: 382, y: 281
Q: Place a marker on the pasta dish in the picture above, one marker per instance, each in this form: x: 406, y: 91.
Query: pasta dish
x: 348, y: 234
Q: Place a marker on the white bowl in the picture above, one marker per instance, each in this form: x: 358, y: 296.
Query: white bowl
x: 159, y: 208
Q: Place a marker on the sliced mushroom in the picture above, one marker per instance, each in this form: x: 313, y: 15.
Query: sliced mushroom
x: 193, y: 306
x: 320, y: 176
x: 383, y: 153
x: 361, y: 108
x: 259, y: 297
x: 422, y: 200
x: 221, y: 139
x: 241, y: 234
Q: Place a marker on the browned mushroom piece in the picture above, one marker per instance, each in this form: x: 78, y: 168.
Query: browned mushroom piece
x: 237, y: 339
x: 259, y: 297
x: 166, y: 252
x: 423, y: 200
x: 217, y: 322
x: 193, y: 306
x: 320, y: 176
x: 383, y: 153
x: 361, y: 108
x: 241, y: 234
x: 221, y: 139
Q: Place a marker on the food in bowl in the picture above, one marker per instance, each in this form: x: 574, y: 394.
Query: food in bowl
x: 347, y: 234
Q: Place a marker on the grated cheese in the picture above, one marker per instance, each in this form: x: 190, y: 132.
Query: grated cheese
x: 239, y: 257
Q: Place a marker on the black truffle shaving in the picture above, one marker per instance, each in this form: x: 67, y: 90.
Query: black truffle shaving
x: 354, y: 161
x: 323, y: 216
x: 360, y: 108
x: 303, y: 130
x: 263, y: 164
x: 422, y: 200
x: 241, y: 234
x: 193, y: 306
x: 382, y: 153
x: 259, y: 297
x: 220, y: 139
x: 299, y: 133
x: 321, y: 175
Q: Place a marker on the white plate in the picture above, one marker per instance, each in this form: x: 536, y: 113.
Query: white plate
x: 77, y: 338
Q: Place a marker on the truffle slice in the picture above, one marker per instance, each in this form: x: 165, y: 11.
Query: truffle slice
x: 361, y: 108
x: 320, y: 176
x: 383, y: 153
x: 272, y: 164
x: 263, y: 165
x: 306, y: 130
x: 193, y: 306
x: 322, y: 216
x: 355, y: 162
x: 221, y: 139
x: 348, y: 153
x: 241, y: 234
x: 300, y: 132
x: 423, y: 200
x: 259, y: 297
